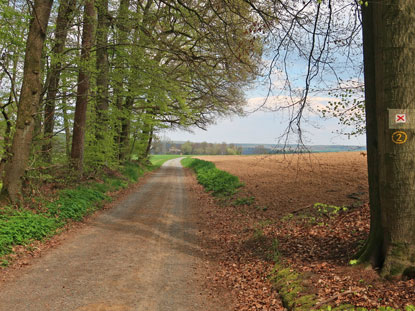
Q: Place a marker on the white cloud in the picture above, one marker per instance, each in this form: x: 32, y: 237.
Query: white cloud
x: 283, y: 101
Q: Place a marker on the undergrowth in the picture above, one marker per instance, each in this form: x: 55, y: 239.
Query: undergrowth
x: 221, y: 183
x: 20, y: 226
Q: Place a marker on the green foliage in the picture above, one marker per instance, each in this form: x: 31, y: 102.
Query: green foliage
x: 18, y: 227
x: 364, y: 3
x: 329, y: 210
x: 75, y: 203
x: 221, y: 183
x: 349, y: 109
x: 132, y: 171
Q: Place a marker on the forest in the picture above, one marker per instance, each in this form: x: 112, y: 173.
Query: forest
x: 87, y: 84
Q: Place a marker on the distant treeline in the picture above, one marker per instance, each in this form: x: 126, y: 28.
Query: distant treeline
x: 164, y: 147
x: 185, y: 148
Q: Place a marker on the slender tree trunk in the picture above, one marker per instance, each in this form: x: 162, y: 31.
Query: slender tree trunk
x: 66, y: 9
x: 79, y: 127
x: 102, y: 67
x: 66, y: 125
x: 7, y: 134
x: 149, y: 142
x: 125, y: 129
x: 393, y: 73
x: 123, y: 29
x: 28, y: 103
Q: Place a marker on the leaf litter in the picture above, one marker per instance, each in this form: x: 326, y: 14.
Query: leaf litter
x: 242, y: 239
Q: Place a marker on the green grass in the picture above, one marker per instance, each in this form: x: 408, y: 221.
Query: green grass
x: 20, y: 226
x: 158, y: 160
x: 221, y: 183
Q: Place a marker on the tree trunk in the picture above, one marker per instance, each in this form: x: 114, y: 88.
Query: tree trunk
x: 120, y: 58
x: 125, y: 129
x: 66, y: 125
x: 149, y: 142
x: 372, y: 251
x: 390, y: 78
x: 62, y: 24
x: 102, y: 68
x: 28, y: 103
x: 78, y: 138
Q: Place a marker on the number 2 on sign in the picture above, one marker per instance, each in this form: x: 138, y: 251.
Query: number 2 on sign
x: 399, y: 137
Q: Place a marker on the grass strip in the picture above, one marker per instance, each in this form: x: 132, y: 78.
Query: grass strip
x: 219, y: 182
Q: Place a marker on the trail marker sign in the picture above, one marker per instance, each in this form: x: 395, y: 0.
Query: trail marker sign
x: 401, y: 118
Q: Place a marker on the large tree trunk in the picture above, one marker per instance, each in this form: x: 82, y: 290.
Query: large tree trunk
x: 372, y: 252
x: 102, y: 68
x: 28, y: 103
x: 62, y: 24
x: 390, y: 78
x: 79, y: 127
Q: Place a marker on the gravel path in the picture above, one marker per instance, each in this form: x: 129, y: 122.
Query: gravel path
x: 140, y: 255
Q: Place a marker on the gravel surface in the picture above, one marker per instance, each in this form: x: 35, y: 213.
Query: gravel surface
x: 141, y: 255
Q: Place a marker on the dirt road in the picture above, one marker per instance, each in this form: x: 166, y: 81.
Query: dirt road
x: 141, y: 255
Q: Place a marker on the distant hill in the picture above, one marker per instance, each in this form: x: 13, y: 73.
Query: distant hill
x: 278, y: 148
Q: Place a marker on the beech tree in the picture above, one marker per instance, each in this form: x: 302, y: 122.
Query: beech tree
x: 389, y: 66
x: 388, y: 29
x: 28, y: 102
x: 79, y: 128
x: 65, y: 11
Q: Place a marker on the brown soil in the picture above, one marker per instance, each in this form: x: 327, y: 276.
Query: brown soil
x: 284, y: 184
x: 318, y: 245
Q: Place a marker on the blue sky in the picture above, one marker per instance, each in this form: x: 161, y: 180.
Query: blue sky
x: 265, y: 128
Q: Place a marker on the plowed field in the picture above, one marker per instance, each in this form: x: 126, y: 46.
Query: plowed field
x: 287, y: 183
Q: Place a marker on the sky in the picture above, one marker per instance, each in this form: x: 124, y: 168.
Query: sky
x: 264, y: 128
x: 267, y: 127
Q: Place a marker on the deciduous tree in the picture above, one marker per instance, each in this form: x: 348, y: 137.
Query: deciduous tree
x: 28, y: 102
x: 79, y: 128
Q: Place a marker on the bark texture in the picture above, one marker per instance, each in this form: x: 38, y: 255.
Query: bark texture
x: 390, y: 82
x: 28, y: 103
x: 66, y: 9
x: 78, y: 138
x: 372, y: 252
x: 102, y: 67
x: 123, y: 29
x: 125, y: 129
